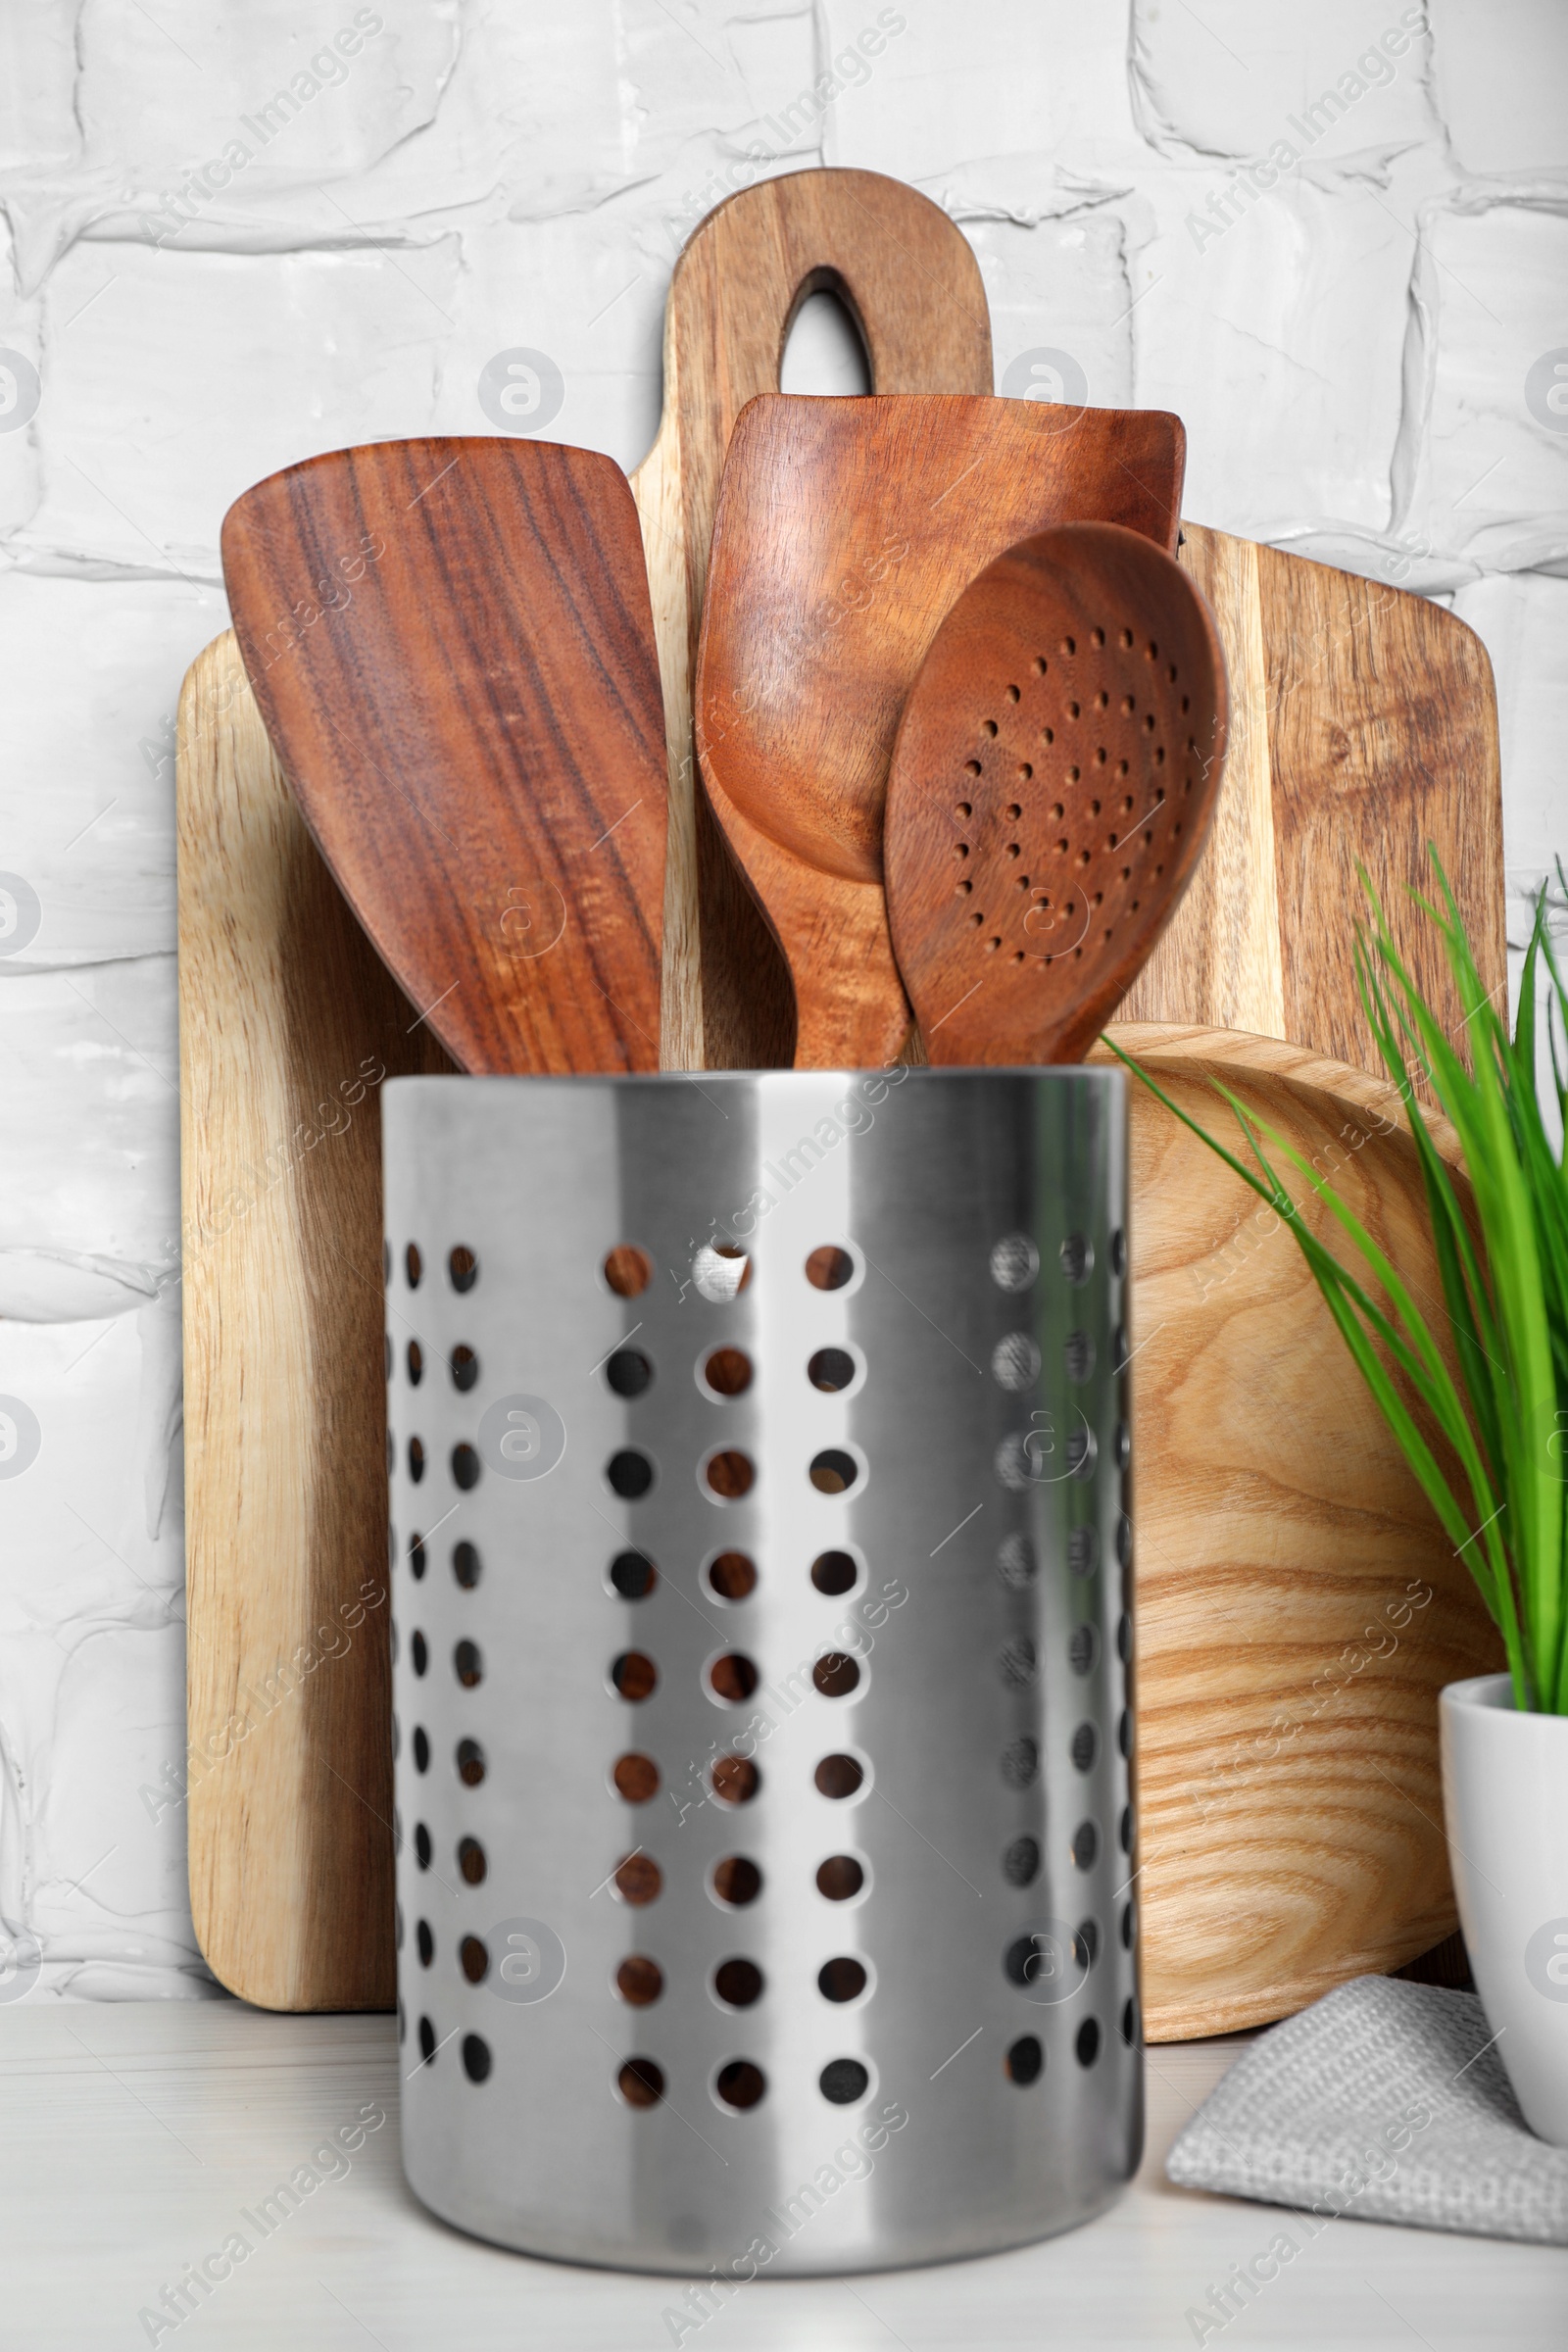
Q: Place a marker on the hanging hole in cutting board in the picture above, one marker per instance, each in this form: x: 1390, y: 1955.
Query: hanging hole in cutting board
x: 824, y: 352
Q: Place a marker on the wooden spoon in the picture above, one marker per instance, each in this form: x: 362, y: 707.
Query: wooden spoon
x: 452, y: 646
x: 845, y: 529
x: 1052, y: 782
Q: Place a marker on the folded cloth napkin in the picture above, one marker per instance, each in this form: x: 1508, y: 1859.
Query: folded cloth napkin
x: 1386, y: 2102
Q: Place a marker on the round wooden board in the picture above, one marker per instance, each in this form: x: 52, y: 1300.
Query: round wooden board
x: 1299, y: 1607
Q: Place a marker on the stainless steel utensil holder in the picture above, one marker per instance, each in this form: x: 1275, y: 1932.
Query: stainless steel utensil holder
x: 761, y: 1528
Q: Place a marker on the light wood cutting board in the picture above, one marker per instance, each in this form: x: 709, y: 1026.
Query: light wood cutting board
x: 1298, y: 1608
x: 282, y: 1007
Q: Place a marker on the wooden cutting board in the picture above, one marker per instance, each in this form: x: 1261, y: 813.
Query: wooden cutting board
x: 283, y: 1010
x: 1363, y: 726
x: 1298, y: 1608
x: 287, y: 1023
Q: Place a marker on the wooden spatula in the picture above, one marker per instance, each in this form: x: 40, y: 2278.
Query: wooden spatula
x: 844, y: 531
x: 1052, y: 785
x: 452, y: 646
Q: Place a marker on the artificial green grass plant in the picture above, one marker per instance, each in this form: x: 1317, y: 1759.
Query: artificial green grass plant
x: 1505, y: 1418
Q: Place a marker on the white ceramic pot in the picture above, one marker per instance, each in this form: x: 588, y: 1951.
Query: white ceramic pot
x: 1506, y: 1801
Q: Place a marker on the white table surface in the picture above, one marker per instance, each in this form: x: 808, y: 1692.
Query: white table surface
x: 131, y: 2136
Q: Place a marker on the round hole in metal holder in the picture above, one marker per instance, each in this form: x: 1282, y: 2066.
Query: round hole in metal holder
x: 732, y: 1575
x: 424, y: 1943
x: 1129, y: 2024
x: 627, y: 1270
x: 476, y: 2058
x: 738, y: 1983
x: 833, y: 1471
x: 467, y: 1665
x: 720, y: 1271
x: 832, y: 1370
x: 428, y: 2041
x: 421, y: 1748
x: 1083, y: 1448
x: 1085, y: 1747
x: 466, y: 1565
x: 839, y: 1776
x: 634, y: 1674
x: 727, y: 1372
x: 470, y: 1763
x: 414, y: 1263
x: 462, y: 1268
x: 1025, y: 2061
x: 472, y: 1861
x: 836, y: 1674
x: 1083, y: 1648
x: 842, y: 1980
x: 418, y: 1652
x: 740, y: 2083
x: 416, y: 1557
x: 1086, y: 2045
x: 640, y: 2083
x: 415, y: 1363
x: 465, y: 1368
x: 736, y: 1881
x: 1077, y: 1256
x: 415, y: 1459
x: 632, y: 1575
x: 628, y: 1371
x: 1020, y: 1864
x: 843, y: 2080
x: 1014, y: 1263
x: 629, y: 1474
x: 474, y: 1958
x: 1083, y: 1550
x: 639, y: 1981
x: 465, y: 1466
x: 732, y: 1677
x: 636, y: 1778
x: 835, y: 1572
x: 729, y: 1474
x: 1085, y: 1845
x: 638, y: 1879
x: 829, y: 1268
x: 735, y: 1780
x: 422, y: 1849
x: 840, y: 1877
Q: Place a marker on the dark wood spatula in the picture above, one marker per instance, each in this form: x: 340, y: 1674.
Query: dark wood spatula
x: 452, y: 645
x: 845, y: 529
x: 1054, y: 777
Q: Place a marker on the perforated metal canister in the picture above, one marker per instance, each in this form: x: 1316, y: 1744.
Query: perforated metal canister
x: 761, y: 1506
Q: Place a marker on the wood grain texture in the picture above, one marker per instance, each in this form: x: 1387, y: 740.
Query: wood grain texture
x: 908, y: 276
x: 846, y: 531
x: 467, y: 707
x: 1052, y: 785
x: 288, y: 1022
x: 1363, y: 726
x: 1299, y: 1607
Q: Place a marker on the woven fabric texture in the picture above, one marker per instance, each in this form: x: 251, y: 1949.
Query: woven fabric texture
x: 1383, y: 2102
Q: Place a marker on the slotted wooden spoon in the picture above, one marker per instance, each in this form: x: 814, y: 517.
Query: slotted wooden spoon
x: 844, y: 531
x: 1052, y: 784
x: 453, y: 647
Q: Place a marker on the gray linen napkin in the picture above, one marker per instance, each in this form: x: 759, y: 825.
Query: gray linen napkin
x: 1386, y: 2102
